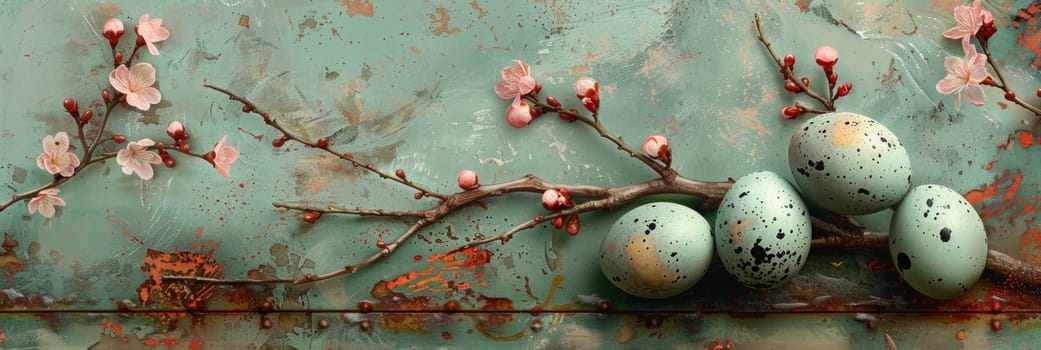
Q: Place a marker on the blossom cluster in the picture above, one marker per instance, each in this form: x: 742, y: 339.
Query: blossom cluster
x: 966, y: 75
x: 132, y: 86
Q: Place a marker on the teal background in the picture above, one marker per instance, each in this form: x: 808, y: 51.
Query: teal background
x: 408, y: 84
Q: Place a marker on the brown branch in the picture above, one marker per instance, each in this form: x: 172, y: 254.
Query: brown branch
x: 1001, y: 84
x: 288, y: 135
x: 58, y: 180
x: 789, y: 74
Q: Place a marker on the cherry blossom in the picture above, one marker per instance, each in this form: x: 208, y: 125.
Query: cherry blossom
x: 136, y: 158
x: 112, y: 30
x: 964, y: 75
x: 467, y: 180
x: 45, y: 201
x: 136, y: 83
x: 56, y: 158
x: 519, y: 113
x: 223, y: 156
x: 516, y: 81
x: 151, y: 31
x: 969, y: 21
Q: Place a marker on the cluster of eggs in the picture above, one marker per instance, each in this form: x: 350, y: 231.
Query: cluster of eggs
x: 843, y: 162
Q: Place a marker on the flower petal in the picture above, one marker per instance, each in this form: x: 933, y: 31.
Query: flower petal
x: 51, y: 192
x: 61, y: 140
x: 42, y: 161
x: 34, y: 205
x: 974, y: 93
x: 151, y: 48
x: 143, y: 169
x: 46, y: 209
x: 150, y: 95
x: 949, y: 85
x: 138, y: 101
x: 142, y: 75
x: 505, y: 90
x: 123, y: 156
x: 49, y: 145
x: 120, y: 79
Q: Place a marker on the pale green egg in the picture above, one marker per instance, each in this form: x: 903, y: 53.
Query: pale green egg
x: 657, y: 250
x: 937, y: 242
x: 849, y: 163
x: 762, y: 231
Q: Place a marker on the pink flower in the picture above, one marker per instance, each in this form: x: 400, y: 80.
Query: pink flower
x: 136, y: 83
x: 136, y: 158
x: 56, y: 158
x: 554, y: 199
x: 467, y: 180
x: 175, y: 130
x: 519, y: 114
x: 969, y: 21
x: 964, y: 75
x: 44, y: 202
x: 826, y: 56
x: 652, y: 146
x: 223, y: 156
x: 588, y: 90
x: 516, y: 81
x: 151, y: 31
x: 112, y: 30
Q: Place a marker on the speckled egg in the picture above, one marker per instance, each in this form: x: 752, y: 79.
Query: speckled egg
x: 762, y: 231
x: 937, y: 242
x: 657, y: 250
x: 849, y: 163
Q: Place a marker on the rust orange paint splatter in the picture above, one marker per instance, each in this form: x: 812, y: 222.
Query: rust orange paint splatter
x: 358, y: 7
x: 1030, y: 39
x: 993, y: 199
x: 441, y: 279
x: 158, y: 263
x: 440, y: 19
x: 116, y: 329
x: 10, y: 264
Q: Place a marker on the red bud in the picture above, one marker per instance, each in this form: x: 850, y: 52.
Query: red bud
x: 279, y: 141
x: 792, y: 87
x: 1010, y: 95
x: 805, y: 81
x: 789, y: 60
x: 790, y: 112
x: 140, y: 41
x: 118, y: 58
x: 553, y: 102
x: 1038, y: 92
x: 400, y: 174
x: 169, y: 162
x: 119, y: 138
x: 87, y: 116
x: 381, y: 244
x: 72, y: 107
x: 418, y: 195
x: 572, y: 225
x: 183, y: 147
x: 246, y: 109
x: 590, y: 104
x: 833, y: 77
x: 323, y: 142
x: 312, y: 216
x: 105, y: 95
x: 558, y: 222
x: 843, y: 89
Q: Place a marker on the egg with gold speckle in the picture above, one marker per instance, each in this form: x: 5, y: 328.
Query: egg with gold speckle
x: 849, y: 163
x: 763, y: 231
x: 657, y: 250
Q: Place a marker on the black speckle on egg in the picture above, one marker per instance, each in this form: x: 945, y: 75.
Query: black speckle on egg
x: 945, y: 234
x: 903, y: 261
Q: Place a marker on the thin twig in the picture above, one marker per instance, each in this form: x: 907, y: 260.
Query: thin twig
x: 251, y: 107
x: 788, y: 73
x: 1001, y: 84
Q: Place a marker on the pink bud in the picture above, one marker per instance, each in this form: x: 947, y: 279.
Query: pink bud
x: 653, y: 145
x: 175, y: 130
x: 112, y: 30
x: 467, y: 180
x: 554, y: 199
x: 588, y: 88
x: 519, y: 113
x: 826, y: 57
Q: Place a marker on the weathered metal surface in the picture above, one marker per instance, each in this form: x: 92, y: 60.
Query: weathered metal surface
x: 408, y: 84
